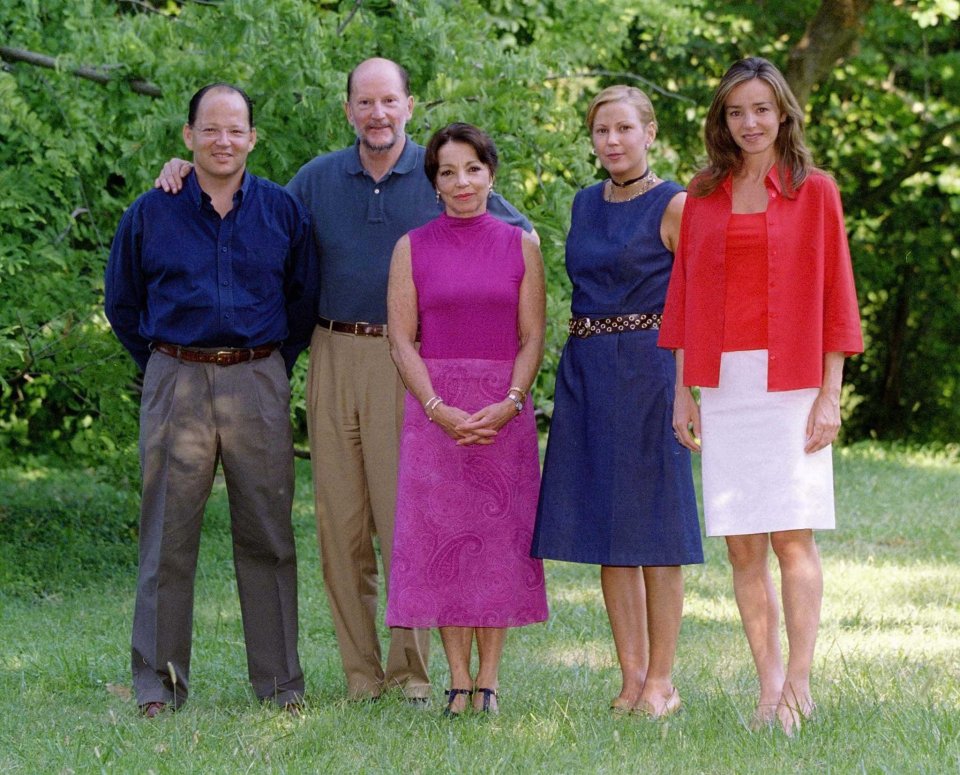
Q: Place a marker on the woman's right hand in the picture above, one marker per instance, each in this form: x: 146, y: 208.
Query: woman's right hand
x: 449, y: 418
x: 172, y: 175
x: 686, y: 419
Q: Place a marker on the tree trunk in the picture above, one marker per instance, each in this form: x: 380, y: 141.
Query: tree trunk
x: 831, y: 36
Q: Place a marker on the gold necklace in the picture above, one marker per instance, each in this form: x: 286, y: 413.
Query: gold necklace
x: 647, y: 182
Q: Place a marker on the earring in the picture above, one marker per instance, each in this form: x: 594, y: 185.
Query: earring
x: 438, y: 197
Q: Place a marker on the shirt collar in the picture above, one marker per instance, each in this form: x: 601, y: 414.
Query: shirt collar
x: 198, y: 196
x: 406, y: 163
x: 771, y: 181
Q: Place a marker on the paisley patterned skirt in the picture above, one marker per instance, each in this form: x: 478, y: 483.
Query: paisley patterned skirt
x: 464, y: 520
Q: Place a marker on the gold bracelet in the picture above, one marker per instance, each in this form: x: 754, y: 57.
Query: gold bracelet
x: 520, y: 390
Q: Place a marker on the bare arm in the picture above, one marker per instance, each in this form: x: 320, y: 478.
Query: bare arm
x: 402, y: 321
x: 670, y: 223
x: 172, y: 175
x: 531, y: 323
x: 823, y: 424
x: 686, y: 411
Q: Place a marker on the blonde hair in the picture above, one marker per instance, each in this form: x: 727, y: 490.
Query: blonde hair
x: 622, y: 93
x: 726, y: 157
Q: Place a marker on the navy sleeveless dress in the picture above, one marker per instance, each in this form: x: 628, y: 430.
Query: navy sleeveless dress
x: 617, y: 487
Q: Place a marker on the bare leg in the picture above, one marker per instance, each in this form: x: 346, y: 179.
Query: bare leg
x: 664, y: 585
x: 457, y: 643
x: 802, y: 583
x: 624, y: 594
x: 760, y: 614
x: 490, y: 642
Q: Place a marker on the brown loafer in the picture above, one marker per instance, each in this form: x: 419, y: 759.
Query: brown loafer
x: 153, y: 709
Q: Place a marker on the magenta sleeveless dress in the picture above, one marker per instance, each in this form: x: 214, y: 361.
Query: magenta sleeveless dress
x: 464, y: 520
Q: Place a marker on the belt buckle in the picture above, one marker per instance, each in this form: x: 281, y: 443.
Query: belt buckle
x: 582, y: 328
x: 224, y: 358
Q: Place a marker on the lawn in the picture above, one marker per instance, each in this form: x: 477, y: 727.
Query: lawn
x: 887, y: 672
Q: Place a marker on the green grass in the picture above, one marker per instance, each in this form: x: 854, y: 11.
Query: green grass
x: 887, y: 673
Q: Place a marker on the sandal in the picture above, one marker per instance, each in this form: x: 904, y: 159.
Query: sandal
x: 452, y: 695
x: 620, y: 707
x: 670, y: 706
x: 488, y: 694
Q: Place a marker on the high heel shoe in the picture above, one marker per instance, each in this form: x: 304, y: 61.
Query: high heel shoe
x: 488, y: 695
x: 452, y: 694
x: 620, y: 706
x: 648, y: 709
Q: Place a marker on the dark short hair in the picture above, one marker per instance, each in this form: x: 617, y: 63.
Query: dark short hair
x: 460, y: 133
x: 401, y: 71
x: 196, y: 98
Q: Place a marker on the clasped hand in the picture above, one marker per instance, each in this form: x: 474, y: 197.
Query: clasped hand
x: 480, y: 428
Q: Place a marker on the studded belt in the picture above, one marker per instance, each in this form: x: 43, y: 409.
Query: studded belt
x: 615, y: 324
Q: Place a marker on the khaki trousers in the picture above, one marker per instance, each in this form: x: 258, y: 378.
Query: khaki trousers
x: 191, y: 416
x: 355, y: 410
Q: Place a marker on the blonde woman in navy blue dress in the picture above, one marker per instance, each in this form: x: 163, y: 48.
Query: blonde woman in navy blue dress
x: 617, y: 487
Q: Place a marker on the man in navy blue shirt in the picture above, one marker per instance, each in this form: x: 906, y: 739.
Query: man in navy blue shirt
x: 363, y: 199
x: 212, y: 292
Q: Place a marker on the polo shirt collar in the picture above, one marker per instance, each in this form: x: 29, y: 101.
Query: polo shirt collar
x: 406, y: 163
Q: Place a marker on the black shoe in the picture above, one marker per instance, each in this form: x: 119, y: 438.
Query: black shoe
x: 452, y: 694
x: 488, y: 694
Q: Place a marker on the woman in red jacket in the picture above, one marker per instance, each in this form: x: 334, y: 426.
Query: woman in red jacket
x: 761, y: 311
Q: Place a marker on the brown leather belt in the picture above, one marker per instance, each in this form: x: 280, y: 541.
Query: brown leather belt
x: 359, y: 329
x: 226, y: 356
x: 616, y: 324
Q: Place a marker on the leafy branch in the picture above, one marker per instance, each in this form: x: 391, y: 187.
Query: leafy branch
x: 99, y: 74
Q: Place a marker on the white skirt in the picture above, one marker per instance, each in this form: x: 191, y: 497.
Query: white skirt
x: 756, y: 476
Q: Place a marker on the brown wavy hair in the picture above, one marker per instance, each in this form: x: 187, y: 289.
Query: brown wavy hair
x: 794, y: 161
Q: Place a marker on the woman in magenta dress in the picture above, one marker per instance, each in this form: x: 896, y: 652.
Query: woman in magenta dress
x: 469, y: 472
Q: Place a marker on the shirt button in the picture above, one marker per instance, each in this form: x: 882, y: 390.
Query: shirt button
x: 376, y: 191
x: 223, y: 250
x: 225, y: 283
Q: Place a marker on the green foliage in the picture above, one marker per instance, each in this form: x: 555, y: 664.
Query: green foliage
x: 75, y: 153
x: 61, y: 529
x: 885, y: 124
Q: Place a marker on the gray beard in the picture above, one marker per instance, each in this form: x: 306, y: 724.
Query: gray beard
x: 377, y: 148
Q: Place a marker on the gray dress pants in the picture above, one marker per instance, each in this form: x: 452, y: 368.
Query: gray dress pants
x: 193, y: 415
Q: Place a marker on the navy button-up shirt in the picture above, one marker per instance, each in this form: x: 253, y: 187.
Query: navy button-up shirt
x: 180, y: 273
